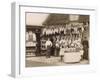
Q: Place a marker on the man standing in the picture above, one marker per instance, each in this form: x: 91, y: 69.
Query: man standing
x: 57, y: 47
x: 85, y: 48
x: 38, y: 50
x: 48, y: 47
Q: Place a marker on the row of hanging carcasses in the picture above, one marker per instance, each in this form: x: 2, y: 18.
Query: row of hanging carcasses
x: 65, y: 29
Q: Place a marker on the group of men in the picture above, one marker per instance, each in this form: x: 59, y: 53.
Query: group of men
x: 60, y: 45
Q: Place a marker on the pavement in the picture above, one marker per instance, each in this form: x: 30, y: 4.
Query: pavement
x: 52, y: 61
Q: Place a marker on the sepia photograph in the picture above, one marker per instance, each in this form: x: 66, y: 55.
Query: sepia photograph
x: 54, y: 39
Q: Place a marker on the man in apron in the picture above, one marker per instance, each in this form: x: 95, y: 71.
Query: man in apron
x: 48, y: 47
